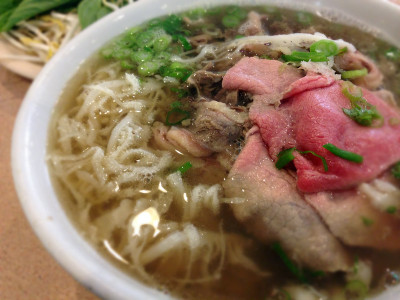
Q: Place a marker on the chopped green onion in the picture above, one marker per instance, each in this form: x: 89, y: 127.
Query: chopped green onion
x: 354, y: 73
x: 356, y: 290
x: 162, y: 43
x: 185, y: 43
x: 347, y: 155
x: 239, y: 36
x: 176, y: 104
x: 289, y: 263
x: 172, y: 24
x: 305, y: 56
x: 141, y: 56
x: 396, y: 170
x: 304, y: 17
x: 126, y: 64
x: 181, y: 92
x: 361, y: 111
x: 367, y: 221
x: 391, y: 210
x: 236, y: 11
x: 316, y: 155
x: 393, y: 54
x: 185, y: 167
x: 176, y: 71
x: 356, y: 265
x: 148, y: 68
x: 284, y: 157
x: 325, y: 47
x: 177, y: 114
x: 342, y: 51
x: 230, y: 21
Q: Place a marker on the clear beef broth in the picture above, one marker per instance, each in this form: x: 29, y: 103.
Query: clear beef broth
x: 260, y: 274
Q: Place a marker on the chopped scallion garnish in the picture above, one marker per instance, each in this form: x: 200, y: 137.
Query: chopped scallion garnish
x: 176, y: 115
x: 367, y: 221
x: 305, y: 56
x: 391, y: 210
x: 185, y: 167
x: 354, y: 73
x: 347, y: 155
x: 361, y: 111
x: 325, y: 47
x: 324, y: 163
x: 296, y: 271
x: 286, y: 156
x: 356, y: 289
x: 396, y: 170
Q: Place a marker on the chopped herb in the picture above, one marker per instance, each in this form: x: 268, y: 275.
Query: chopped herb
x: 181, y: 92
x: 393, y: 54
x: 176, y: 115
x: 185, y: 167
x: 316, y: 155
x: 356, y: 289
x: 325, y: 47
x: 351, y: 156
x: 356, y: 265
x: 396, y: 170
x: 361, y: 111
x: 296, y: 271
x: 185, y: 43
x: 304, y: 18
x: 303, y: 275
x: 230, y: 21
x: 239, y: 36
x: 304, y: 56
x: 354, y: 73
x: 342, y: 51
x: 391, y: 210
x: 284, y: 157
x: 367, y: 221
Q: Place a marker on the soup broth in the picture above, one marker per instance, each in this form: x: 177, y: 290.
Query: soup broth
x: 158, y: 209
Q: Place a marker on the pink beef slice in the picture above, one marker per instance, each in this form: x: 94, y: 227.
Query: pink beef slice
x: 274, y: 210
x: 309, y: 119
x: 268, y: 80
x: 345, y: 213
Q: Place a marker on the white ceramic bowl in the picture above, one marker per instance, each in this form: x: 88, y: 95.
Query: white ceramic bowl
x: 30, y: 172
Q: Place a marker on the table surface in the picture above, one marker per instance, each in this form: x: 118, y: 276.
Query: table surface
x: 27, y: 271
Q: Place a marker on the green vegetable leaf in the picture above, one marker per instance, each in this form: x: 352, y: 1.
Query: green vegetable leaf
x: 89, y: 11
x: 176, y: 115
x: 351, y: 156
x: 396, y: 170
x: 361, y: 111
x: 17, y: 11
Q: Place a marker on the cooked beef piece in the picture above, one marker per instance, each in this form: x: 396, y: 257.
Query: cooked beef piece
x: 268, y: 80
x: 356, y: 61
x: 273, y: 210
x: 279, y: 27
x: 216, y: 125
x: 230, y: 98
x: 253, y: 25
x: 261, y: 50
x: 178, y: 138
x: 207, y: 83
x: 315, y: 117
x: 355, y: 221
x: 310, y: 116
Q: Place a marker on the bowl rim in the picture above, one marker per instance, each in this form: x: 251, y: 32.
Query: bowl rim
x: 29, y: 141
